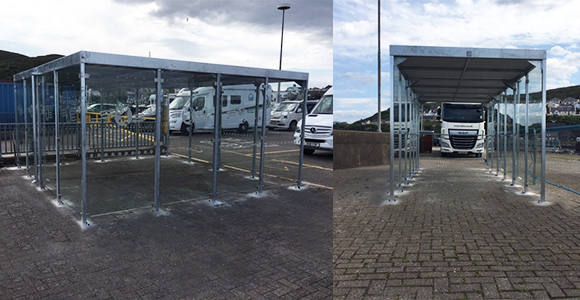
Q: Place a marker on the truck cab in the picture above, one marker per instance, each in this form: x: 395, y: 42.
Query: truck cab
x: 462, y: 129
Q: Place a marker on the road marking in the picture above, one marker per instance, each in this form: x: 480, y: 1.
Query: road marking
x: 193, y: 158
x: 283, y: 151
x: 305, y: 165
x: 257, y: 173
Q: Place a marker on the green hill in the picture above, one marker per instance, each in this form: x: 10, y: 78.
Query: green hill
x: 13, y: 63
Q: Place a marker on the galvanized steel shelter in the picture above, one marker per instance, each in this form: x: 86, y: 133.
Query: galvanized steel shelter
x: 52, y: 99
x: 510, y: 83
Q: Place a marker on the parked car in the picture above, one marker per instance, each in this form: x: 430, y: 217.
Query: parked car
x: 288, y: 113
x: 318, y: 131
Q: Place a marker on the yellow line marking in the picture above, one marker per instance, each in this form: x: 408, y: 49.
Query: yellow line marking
x: 257, y: 173
x: 193, y: 158
x: 283, y: 151
x: 306, y: 165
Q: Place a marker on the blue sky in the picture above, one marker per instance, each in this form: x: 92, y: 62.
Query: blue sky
x: 538, y: 24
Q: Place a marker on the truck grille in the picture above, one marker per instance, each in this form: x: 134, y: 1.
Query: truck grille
x: 318, y: 130
x: 463, y: 142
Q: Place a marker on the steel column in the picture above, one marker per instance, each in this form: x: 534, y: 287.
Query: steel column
x: 216, y: 135
x: 514, y: 134
x: 190, y: 154
x: 255, y: 144
x: 263, y: 140
x: 543, y: 171
x: 57, y: 135
x: 498, y: 135
x: 302, y: 134
x: 25, y: 94
x: 392, y: 136
x: 505, y: 136
x: 34, y: 128
x: 399, y: 123
x: 83, y: 145
x: 159, y: 98
x: 526, y: 151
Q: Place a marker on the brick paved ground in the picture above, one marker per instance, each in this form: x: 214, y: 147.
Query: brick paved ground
x: 457, y: 233
x: 274, y: 247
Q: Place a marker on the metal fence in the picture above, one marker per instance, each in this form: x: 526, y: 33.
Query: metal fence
x: 101, y: 136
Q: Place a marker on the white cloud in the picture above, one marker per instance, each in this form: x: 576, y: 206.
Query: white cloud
x: 132, y: 28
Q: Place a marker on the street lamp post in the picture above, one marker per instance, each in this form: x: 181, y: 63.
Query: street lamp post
x: 283, y: 7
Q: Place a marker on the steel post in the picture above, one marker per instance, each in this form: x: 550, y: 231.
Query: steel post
x: 543, y: 170
x: 400, y: 129
x: 216, y: 135
x: 302, y: 133
x: 265, y: 103
x: 83, y: 145
x: 392, y: 136
x: 191, y: 109
x: 498, y: 135
x: 57, y: 135
x: 504, y: 136
x: 514, y: 134
x: 526, y: 137
x: 34, y: 128
x: 255, y: 144
x: 26, y: 146
x: 159, y: 98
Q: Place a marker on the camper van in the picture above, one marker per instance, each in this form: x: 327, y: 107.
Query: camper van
x: 318, y: 134
x: 238, y: 108
x: 288, y: 113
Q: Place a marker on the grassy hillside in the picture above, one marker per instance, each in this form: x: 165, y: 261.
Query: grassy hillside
x: 13, y: 63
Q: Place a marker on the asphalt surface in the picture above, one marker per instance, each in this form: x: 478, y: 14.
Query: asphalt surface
x: 457, y: 232
x: 248, y: 246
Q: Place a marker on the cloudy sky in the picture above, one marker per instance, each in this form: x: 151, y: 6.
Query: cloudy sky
x: 540, y: 24
x: 235, y: 32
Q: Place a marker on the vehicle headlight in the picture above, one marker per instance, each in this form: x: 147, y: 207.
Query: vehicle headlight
x: 445, y: 144
x: 297, y: 129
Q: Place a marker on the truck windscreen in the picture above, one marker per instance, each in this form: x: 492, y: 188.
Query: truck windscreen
x: 462, y: 113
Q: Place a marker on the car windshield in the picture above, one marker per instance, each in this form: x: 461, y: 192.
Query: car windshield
x: 324, y: 107
x: 463, y: 113
x: 286, y: 107
x: 150, y: 110
x: 178, y: 103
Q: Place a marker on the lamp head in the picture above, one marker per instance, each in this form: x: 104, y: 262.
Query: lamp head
x: 284, y: 6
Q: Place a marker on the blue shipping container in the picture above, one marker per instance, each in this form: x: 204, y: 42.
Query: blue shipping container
x: 7, y: 111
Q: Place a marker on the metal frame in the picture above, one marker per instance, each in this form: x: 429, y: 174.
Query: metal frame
x: 480, y: 75
x: 221, y: 74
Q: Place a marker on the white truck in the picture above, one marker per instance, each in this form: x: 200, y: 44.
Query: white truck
x: 462, y: 129
x: 318, y: 133
x: 238, y: 108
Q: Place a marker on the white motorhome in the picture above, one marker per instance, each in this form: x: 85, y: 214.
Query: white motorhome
x: 238, y: 108
x: 288, y: 113
x: 462, y: 129
x: 318, y: 133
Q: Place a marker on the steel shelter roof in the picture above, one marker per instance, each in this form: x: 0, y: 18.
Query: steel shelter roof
x: 475, y: 75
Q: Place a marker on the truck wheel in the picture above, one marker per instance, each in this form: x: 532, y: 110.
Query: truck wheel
x: 308, y: 151
x: 292, y: 126
x: 184, y: 129
x: 243, y: 127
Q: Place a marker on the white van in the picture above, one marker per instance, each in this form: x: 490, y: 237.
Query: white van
x: 288, y: 113
x: 238, y: 108
x: 318, y: 134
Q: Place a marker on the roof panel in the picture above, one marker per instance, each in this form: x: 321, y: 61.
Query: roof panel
x: 462, y: 74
